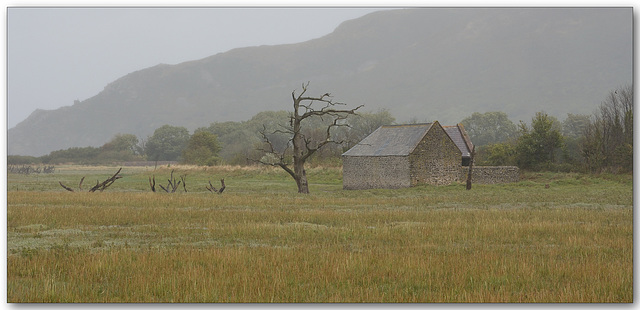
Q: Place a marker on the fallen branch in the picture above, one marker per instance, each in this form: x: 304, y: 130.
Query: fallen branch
x: 213, y: 189
x: 99, y: 186
x: 65, y: 187
x: 184, y: 182
x: 153, y: 185
x: 102, y: 186
x: 172, y: 185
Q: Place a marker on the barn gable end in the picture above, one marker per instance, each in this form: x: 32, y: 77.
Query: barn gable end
x: 435, y: 159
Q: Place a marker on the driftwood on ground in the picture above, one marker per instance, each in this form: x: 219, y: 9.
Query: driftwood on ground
x: 172, y: 186
x: 213, y: 189
x: 100, y: 186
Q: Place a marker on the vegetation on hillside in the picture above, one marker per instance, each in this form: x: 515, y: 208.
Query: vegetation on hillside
x: 423, y: 63
x: 580, y: 143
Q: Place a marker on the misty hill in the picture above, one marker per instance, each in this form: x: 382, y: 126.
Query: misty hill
x: 423, y: 64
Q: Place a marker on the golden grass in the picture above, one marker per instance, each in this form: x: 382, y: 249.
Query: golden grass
x: 521, y: 242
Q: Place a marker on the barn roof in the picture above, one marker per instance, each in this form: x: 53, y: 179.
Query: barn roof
x: 460, y: 138
x: 390, y: 140
x: 401, y: 140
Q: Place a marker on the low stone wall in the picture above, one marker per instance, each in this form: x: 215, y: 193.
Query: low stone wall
x: 491, y: 174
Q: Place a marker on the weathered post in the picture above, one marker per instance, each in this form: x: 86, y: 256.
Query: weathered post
x: 473, y: 155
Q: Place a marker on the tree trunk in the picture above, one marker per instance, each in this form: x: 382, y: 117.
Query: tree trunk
x: 301, y: 177
x: 298, y: 161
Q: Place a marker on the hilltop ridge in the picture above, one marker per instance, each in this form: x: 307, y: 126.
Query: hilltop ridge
x: 424, y: 64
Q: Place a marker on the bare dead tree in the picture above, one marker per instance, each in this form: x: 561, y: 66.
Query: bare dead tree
x: 213, y: 189
x: 100, y: 186
x: 304, y: 147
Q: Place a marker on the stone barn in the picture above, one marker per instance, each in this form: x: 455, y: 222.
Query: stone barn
x: 397, y: 156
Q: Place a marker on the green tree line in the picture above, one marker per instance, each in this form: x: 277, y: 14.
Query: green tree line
x: 601, y: 142
x: 235, y: 143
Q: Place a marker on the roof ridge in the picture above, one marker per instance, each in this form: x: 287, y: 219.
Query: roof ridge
x: 408, y: 125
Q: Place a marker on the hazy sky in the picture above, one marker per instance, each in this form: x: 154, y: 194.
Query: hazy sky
x: 58, y: 55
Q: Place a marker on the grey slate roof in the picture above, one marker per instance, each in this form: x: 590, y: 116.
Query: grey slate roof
x: 456, y: 134
x: 390, y: 140
x: 401, y: 140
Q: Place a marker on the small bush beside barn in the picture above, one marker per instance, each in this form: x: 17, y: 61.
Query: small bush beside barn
x: 396, y: 156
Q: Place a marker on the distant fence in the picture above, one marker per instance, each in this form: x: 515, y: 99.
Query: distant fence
x: 148, y: 163
x: 27, y: 169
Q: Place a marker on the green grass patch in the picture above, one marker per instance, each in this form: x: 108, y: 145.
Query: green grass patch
x: 260, y: 241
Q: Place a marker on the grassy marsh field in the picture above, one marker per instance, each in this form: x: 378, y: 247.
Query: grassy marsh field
x: 260, y: 241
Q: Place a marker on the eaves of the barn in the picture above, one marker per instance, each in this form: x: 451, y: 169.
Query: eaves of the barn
x: 460, y: 138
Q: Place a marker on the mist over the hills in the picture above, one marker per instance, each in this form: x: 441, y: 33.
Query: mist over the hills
x: 420, y: 64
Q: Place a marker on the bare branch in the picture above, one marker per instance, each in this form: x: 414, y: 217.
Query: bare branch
x: 271, y: 150
x: 172, y: 184
x: 266, y: 140
x: 332, y: 112
x: 327, y: 140
x: 65, y: 187
x: 99, y: 186
x: 223, y: 186
x: 213, y: 189
x: 304, y: 90
x: 288, y: 131
x: 102, y: 186
x: 280, y: 164
x: 176, y: 187
x: 210, y: 187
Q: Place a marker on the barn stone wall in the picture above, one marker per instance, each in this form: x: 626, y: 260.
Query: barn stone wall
x: 491, y: 174
x: 375, y: 172
x: 436, y: 159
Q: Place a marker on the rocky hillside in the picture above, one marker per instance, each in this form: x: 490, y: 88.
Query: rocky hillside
x: 423, y: 64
